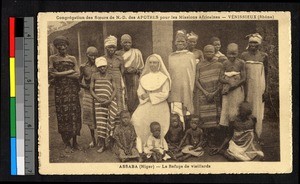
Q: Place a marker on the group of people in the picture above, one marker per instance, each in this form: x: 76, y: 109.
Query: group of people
x: 143, y: 110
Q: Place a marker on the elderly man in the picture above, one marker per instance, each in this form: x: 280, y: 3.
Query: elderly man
x: 134, y: 64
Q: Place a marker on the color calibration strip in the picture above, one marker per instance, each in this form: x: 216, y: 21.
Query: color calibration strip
x: 22, y: 104
x: 12, y: 71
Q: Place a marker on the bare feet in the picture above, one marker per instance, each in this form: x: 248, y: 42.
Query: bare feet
x: 68, y: 149
x: 77, y: 147
x: 101, y: 149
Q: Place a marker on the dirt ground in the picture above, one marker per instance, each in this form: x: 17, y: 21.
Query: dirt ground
x: 270, y: 148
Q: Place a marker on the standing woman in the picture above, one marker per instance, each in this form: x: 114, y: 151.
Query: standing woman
x: 64, y: 69
x: 257, y: 75
x: 192, y: 40
x: 207, y: 97
x: 153, y: 92
x: 182, y: 68
x: 115, y: 68
x: 134, y: 64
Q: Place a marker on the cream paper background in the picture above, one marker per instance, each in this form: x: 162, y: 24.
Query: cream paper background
x: 285, y: 79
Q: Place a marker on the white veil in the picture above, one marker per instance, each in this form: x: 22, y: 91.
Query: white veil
x: 152, y: 81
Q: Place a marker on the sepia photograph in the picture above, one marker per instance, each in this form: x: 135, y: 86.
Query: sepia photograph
x: 164, y: 93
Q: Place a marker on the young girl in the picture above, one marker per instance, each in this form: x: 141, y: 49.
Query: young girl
x: 125, y: 138
x: 243, y: 145
x: 156, y: 146
x: 103, y: 90
x: 233, y: 77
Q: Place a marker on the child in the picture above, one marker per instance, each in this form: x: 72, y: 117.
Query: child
x: 242, y: 141
x: 88, y: 110
x: 219, y: 56
x: 174, y: 135
x: 103, y: 90
x: 125, y: 138
x: 194, y: 138
x: 156, y: 146
x: 233, y: 76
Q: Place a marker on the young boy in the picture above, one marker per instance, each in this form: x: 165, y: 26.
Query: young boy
x: 194, y: 138
x: 125, y: 139
x: 88, y: 110
x: 103, y: 90
x: 156, y: 146
x: 174, y: 135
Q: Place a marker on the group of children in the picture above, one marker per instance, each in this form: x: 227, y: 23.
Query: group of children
x: 101, y: 112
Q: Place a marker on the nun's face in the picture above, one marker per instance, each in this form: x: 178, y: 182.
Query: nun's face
x: 62, y: 48
x: 154, y: 64
x: 253, y: 45
x: 127, y: 44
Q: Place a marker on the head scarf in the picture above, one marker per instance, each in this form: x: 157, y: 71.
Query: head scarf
x: 153, y: 81
x: 181, y: 34
x: 192, y: 36
x: 111, y: 40
x: 125, y: 37
x: 255, y: 37
x: 100, y: 61
x: 60, y: 39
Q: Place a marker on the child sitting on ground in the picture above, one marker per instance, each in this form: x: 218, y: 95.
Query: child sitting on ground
x: 242, y: 141
x: 156, y: 146
x: 125, y: 138
x: 194, y: 139
x: 174, y: 135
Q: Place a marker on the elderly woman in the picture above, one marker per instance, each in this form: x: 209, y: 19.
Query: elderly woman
x: 256, y: 83
x: 115, y: 67
x: 64, y: 69
x: 192, y: 40
x: 182, y: 68
x: 153, y: 92
x: 134, y: 64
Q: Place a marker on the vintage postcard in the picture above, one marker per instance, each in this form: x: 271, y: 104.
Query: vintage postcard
x: 164, y: 93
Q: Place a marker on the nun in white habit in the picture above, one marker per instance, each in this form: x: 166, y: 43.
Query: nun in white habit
x: 153, y: 91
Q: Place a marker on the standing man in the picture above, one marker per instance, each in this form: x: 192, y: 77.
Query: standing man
x: 134, y: 64
x: 182, y: 69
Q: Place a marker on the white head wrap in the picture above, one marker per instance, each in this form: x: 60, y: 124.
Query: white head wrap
x: 111, y: 40
x: 100, y: 61
x: 255, y: 37
x: 125, y: 37
x: 192, y: 36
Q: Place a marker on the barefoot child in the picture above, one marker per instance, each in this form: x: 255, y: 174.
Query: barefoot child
x: 103, y: 90
x: 194, y: 138
x: 242, y: 141
x: 88, y: 110
x: 156, y: 146
x: 174, y: 135
x: 125, y: 138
